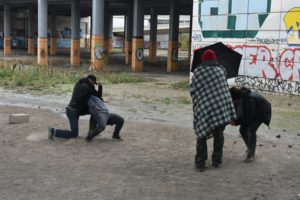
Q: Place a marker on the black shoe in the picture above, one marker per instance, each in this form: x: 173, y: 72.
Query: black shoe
x: 249, y: 159
x: 200, y: 168
x: 88, y: 138
x: 117, y: 137
x: 51, y: 133
x: 249, y: 156
x: 216, y: 164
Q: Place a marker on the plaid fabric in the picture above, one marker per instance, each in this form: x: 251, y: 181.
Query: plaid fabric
x: 212, y: 103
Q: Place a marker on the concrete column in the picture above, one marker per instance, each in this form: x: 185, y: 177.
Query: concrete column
x: 42, y: 32
x: 137, y: 59
x: 88, y: 39
x: 106, y: 31
x: 75, y: 40
x: 97, y: 47
x: 110, y: 33
x: 153, y: 37
x: 31, y: 39
x: 7, y: 30
x: 53, y: 38
x: 173, y: 38
x: 128, y: 36
x: 190, y: 38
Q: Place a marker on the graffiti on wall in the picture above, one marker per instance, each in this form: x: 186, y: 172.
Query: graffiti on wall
x: 272, y: 85
x: 292, y: 23
x: 229, y: 19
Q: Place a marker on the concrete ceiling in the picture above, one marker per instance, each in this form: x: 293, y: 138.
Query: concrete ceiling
x: 117, y: 7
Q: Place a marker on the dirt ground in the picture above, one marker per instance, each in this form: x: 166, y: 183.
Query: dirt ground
x: 155, y: 160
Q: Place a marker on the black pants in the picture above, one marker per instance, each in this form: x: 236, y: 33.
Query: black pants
x: 113, y: 119
x: 73, y: 117
x: 201, y: 148
x: 248, y: 133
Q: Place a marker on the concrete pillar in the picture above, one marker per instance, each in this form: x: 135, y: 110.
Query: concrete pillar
x: 7, y: 30
x: 75, y: 37
x: 110, y: 33
x: 42, y: 32
x: 97, y: 47
x: 106, y: 31
x: 31, y: 39
x: 190, y: 38
x: 88, y: 39
x: 137, y: 59
x: 153, y: 37
x: 173, y: 38
x: 128, y: 36
x: 53, y: 37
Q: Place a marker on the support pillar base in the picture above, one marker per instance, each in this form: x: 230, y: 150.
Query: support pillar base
x: 172, y: 56
x: 152, y: 52
x: 137, y: 58
x: 128, y: 51
x: 31, y: 46
x: 75, y: 52
x: 7, y: 45
x: 42, y: 51
x: 53, y: 46
x: 97, y: 53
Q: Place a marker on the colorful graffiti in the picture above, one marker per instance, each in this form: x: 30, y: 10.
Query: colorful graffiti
x: 232, y: 18
x: 292, y: 23
x: 260, y: 62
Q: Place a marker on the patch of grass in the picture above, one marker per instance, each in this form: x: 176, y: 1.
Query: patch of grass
x: 117, y: 78
x: 182, y: 85
x: 167, y: 100
x: 184, y: 100
x: 46, y: 79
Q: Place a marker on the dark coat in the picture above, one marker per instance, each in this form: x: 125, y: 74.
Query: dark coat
x: 83, y: 89
x: 253, y: 106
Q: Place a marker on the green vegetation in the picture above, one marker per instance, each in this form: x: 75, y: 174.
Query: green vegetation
x: 182, y: 85
x: 45, y: 79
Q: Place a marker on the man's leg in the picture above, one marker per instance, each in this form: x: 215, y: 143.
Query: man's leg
x: 252, y: 128
x: 201, y: 154
x: 101, y: 120
x: 114, y: 119
x: 92, y: 123
x: 218, y: 146
x: 73, y: 117
x: 244, y: 134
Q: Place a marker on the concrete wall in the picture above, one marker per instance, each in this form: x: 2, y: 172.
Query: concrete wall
x: 265, y: 32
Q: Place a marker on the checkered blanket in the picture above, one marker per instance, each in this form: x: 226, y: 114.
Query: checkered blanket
x: 212, y: 103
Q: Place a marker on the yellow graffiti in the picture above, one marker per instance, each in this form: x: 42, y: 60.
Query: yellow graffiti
x: 292, y: 24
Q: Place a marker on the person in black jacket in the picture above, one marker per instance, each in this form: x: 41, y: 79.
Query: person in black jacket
x: 252, y: 110
x: 78, y: 106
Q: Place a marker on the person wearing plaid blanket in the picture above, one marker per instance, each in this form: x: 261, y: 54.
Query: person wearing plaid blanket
x: 213, y: 108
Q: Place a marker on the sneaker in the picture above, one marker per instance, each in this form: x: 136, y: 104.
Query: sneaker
x: 117, y: 137
x: 51, y: 132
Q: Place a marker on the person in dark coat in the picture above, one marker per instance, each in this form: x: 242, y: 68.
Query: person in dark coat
x: 78, y: 106
x: 213, y: 108
x: 103, y: 117
x: 252, y: 110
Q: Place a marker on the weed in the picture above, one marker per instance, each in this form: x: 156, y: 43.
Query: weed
x: 182, y: 85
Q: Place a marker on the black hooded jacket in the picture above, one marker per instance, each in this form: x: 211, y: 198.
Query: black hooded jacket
x: 83, y: 89
x: 253, y: 106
